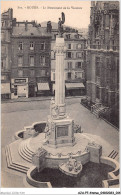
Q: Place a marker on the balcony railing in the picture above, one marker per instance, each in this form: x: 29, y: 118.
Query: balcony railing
x: 105, y: 47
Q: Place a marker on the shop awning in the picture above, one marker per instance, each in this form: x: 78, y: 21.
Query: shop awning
x: 43, y: 87
x: 5, y: 88
x: 74, y: 85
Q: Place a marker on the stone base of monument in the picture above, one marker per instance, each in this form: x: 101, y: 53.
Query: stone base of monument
x: 23, y: 153
x: 95, y: 152
x: 62, y: 133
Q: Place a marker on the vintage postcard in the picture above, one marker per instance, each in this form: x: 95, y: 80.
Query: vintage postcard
x: 60, y: 97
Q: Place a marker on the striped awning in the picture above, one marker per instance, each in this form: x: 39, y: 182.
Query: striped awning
x: 5, y: 88
x: 74, y: 85
x: 43, y: 86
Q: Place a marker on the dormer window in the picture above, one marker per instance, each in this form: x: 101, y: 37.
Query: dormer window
x: 31, y: 46
x: 68, y: 36
x: 77, y: 36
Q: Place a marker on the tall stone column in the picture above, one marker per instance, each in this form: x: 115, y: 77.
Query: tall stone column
x: 59, y: 128
x: 59, y: 103
x: 59, y: 80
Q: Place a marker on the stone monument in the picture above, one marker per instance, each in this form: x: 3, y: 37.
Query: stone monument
x: 59, y: 129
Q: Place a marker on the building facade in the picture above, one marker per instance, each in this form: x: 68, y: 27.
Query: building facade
x: 103, y: 57
x: 28, y: 59
x: 6, y: 31
x: 30, y: 71
x: 75, y: 62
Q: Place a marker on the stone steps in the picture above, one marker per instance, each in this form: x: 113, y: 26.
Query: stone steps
x: 114, y: 155
x: 97, y: 111
x: 14, y: 166
x: 25, y: 152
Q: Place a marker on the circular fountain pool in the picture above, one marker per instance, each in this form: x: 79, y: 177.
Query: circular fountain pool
x: 91, y: 176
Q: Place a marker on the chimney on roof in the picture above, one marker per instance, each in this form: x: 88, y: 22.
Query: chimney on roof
x: 10, y: 12
x: 49, y: 27
x: 26, y: 25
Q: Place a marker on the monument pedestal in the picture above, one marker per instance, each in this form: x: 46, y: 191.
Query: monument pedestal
x: 61, y: 132
x: 60, y: 128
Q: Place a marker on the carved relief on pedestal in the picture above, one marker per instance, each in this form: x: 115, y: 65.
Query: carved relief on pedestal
x: 60, y: 48
x: 57, y: 111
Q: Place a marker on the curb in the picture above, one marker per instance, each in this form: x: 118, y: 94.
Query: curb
x: 32, y: 100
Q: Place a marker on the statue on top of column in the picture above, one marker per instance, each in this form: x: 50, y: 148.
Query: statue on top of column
x: 60, y: 22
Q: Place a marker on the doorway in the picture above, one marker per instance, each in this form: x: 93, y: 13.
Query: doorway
x: 31, y: 90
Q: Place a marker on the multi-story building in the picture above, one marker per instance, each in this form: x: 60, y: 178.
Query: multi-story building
x: 30, y: 71
x: 30, y: 59
x: 103, y: 57
x: 6, y: 30
x: 74, y: 63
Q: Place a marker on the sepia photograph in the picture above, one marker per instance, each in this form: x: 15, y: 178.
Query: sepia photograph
x: 60, y: 96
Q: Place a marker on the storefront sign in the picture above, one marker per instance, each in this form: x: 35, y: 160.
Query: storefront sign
x: 20, y: 80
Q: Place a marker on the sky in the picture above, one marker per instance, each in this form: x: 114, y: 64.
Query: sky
x: 77, y: 13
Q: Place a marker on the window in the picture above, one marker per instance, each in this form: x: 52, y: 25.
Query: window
x: 31, y: 46
x: 31, y: 60
x: 32, y: 73
x: 69, y: 65
x: 78, y: 75
x: 20, y: 47
x: 76, y: 36
x: 2, y: 23
x: 69, y: 75
x: 98, y: 66
x: 2, y: 36
x: 20, y: 60
x: 52, y: 55
x: 42, y: 60
x: 53, y: 76
x: 79, y: 55
x: 20, y: 73
x: 3, y: 77
x: 79, y: 64
x: 3, y: 49
x: 107, y: 20
x: 43, y: 72
x: 68, y: 36
x: 3, y: 63
x: 6, y: 23
x: 79, y: 46
x: 69, y: 54
x: 69, y: 46
x: 47, y: 73
x: 42, y: 46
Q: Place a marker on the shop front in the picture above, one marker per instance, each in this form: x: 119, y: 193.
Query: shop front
x: 75, y: 89
x: 19, y: 88
x: 5, y: 91
x: 43, y: 89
